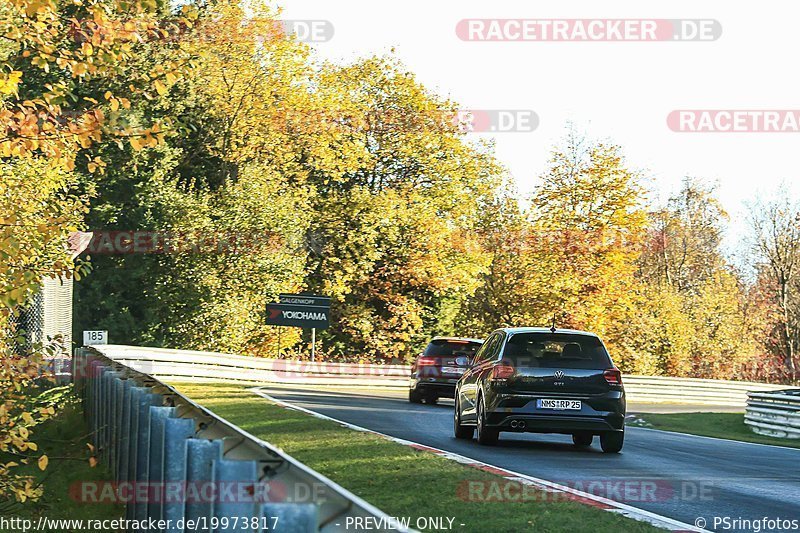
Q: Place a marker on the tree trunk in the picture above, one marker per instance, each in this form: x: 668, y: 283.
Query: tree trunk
x: 787, y: 332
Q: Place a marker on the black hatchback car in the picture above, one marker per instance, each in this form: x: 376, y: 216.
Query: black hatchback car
x: 435, y: 372
x: 541, y: 381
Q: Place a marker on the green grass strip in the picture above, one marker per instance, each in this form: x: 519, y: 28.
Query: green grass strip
x: 720, y: 425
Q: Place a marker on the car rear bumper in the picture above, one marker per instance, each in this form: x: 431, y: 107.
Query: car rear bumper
x: 442, y: 387
x: 556, y: 424
x: 599, y: 413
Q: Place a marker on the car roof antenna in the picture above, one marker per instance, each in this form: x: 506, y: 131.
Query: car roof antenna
x: 553, y: 327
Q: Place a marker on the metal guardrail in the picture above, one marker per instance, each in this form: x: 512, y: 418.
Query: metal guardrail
x: 776, y: 414
x: 175, y: 460
x: 184, y: 365
x: 692, y: 391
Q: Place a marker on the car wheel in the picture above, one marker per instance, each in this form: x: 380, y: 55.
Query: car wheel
x: 431, y: 400
x: 612, y: 441
x: 461, y: 432
x: 582, y: 439
x: 486, y: 435
x: 414, y: 396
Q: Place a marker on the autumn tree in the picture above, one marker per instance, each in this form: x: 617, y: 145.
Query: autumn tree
x: 37, y: 211
x: 505, y: 292
x: 776, y: 232
x: 692, y: 296
x: 395, y: 242
x: 588, y: 215
x: 230, y: 174
x: 61, y: 64
x: 326, y: 161
x: 685, y: 238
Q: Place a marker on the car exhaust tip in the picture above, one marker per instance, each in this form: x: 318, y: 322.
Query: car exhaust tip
x: 514, y: 424
x: 521, y: 425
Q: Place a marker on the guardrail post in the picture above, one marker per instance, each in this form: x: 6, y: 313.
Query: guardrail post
x: 123, y: 443
x: 102, y: 411
x: 114, y: 390
x: 112, y: 379
x: 177, y: 432
x: 133, y: 440
x: 200, y: 458
x: 289, y: 517
x: 92, y: 405
x: 158, y: 420
x: 118, y: 396
x: 146, y: 401
x: 78, y: 370
x: 111, y: 421
x: 234, y: 473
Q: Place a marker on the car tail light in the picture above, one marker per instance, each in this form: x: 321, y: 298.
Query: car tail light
x: 426, y: 361
x: 502, y: 371
x: 613, y: 376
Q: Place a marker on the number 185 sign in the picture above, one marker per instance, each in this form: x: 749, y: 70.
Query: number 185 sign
x: 95, y: 337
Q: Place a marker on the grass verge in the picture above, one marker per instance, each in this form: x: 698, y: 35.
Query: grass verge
x: 397, y: 479
x: 720, y: 425
x: 63, y: 439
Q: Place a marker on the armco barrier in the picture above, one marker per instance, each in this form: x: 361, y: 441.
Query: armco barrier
x: 185, y: 365
x: 776, y: 414
x: 174, y: 460
x: 691, y: 391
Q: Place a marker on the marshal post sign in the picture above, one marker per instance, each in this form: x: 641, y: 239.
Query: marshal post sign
x: 305, y: 299
x: 300, y: 311
x: 301, y: 316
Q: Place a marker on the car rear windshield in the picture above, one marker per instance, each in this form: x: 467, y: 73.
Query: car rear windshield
x: 556, y: 350
x: 444, y: 347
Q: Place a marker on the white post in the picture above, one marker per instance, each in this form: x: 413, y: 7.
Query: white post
x: 313, y: 342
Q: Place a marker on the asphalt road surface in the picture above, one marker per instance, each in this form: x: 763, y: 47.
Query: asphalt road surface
x: 693, y: 476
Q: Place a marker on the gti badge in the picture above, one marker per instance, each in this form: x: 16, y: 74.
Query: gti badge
x: 559, y: 374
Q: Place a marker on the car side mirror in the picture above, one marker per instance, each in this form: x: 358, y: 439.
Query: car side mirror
x: 462, y: 361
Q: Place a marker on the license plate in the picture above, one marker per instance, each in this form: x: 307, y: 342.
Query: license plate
x: 452, y: 370
x: 572, y: 405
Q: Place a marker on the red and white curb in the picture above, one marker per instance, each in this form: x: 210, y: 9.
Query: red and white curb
x: 567, y: 493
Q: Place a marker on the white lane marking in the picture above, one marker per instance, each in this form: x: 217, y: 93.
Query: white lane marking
x: 617, y: 507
